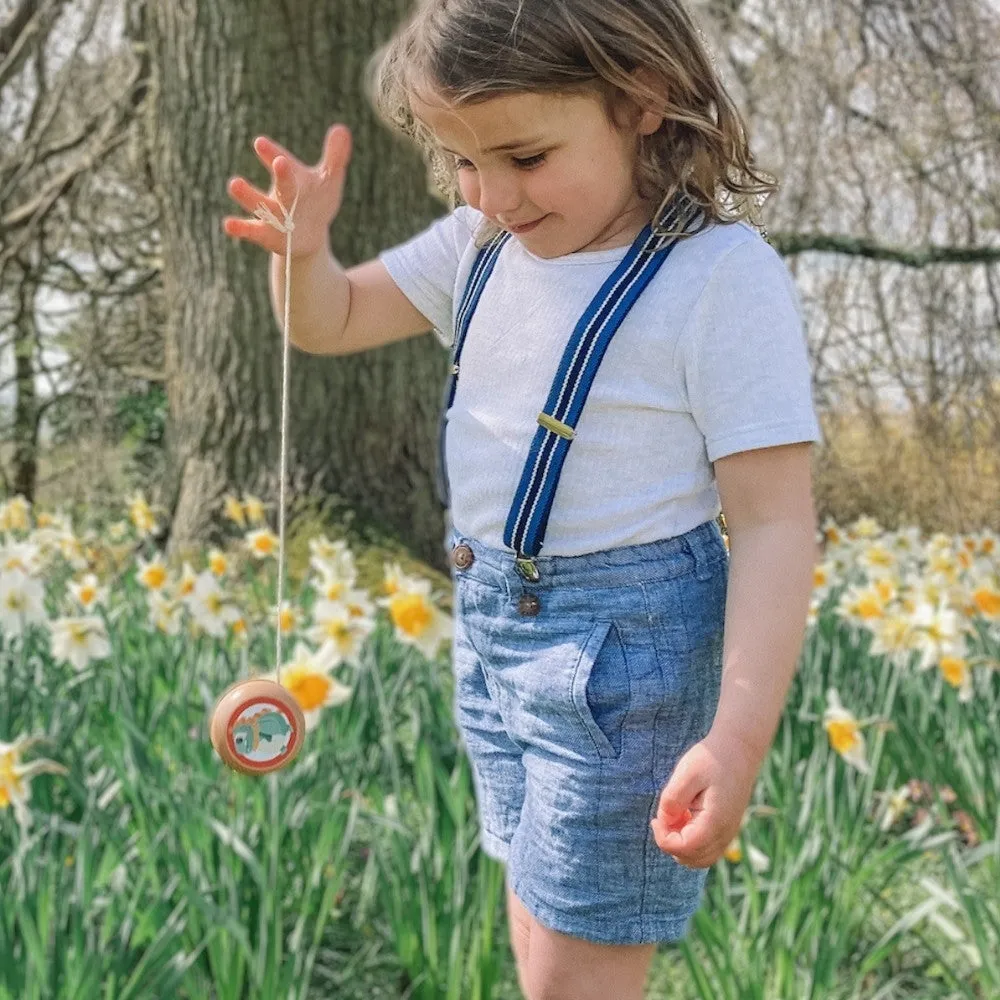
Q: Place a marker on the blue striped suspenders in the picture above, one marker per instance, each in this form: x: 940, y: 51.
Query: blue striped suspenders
x: 481, y: 270
x: 529, y: 513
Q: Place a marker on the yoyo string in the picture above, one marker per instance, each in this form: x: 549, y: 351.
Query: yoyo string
x: 285, y: 226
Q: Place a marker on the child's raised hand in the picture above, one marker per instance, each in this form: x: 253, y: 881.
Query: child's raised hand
x: 701, y: 807
x: 320, y: 189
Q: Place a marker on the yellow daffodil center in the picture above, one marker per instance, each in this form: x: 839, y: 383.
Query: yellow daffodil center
x: 154, y: 576
x: 264, y: 544
x: 10, y: 784
x: 843, y: 734
x: 953, y: 668
x: 309, y: 687
x: 410, y: 613
x: 987, y: 600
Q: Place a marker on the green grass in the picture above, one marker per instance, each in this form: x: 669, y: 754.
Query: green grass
x: 151, y: 871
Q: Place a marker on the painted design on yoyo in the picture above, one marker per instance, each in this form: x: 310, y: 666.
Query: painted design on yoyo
x: 261, y: 732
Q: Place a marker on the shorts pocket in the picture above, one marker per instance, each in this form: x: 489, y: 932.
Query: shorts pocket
x: 600, y: 688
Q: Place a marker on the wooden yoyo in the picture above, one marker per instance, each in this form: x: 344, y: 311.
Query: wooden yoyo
x: 257, y: 726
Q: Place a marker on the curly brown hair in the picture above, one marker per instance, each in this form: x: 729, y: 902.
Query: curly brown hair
x: 647, y: 52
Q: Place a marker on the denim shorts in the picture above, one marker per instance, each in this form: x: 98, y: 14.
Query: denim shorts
x: 575, y: 697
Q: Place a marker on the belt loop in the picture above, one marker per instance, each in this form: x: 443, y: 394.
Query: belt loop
x: 694, y: 543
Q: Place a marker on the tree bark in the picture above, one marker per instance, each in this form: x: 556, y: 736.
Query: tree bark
x: 361, y: 427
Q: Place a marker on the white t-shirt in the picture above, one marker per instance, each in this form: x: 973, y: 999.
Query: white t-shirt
x: 711, y: 360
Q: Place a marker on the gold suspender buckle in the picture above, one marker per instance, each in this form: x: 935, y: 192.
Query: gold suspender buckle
x: 556, y: 426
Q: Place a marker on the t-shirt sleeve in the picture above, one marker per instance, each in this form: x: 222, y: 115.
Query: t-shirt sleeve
x: 744, y: 358
x: 426, y: 266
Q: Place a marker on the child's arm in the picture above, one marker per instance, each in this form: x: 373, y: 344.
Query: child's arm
x: 334, y: 311
x: 767, y: 499
x: 766, y: 496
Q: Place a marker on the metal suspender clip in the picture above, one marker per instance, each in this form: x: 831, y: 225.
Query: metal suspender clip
x: 527, y: 567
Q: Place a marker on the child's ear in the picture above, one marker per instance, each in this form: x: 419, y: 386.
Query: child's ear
x: 651, y: 118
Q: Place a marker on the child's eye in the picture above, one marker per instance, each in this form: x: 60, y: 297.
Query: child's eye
x: 527, y: 162
x: 522, y: 162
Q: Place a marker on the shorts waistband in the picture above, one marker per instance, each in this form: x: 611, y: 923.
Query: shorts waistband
x: 701, y: 548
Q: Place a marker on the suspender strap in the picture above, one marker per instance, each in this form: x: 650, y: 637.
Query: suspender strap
x: 529, y: 514
x: 482, y: 268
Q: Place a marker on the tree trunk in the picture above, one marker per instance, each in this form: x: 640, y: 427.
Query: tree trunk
x: 361, y: 427
x: 25, y: 472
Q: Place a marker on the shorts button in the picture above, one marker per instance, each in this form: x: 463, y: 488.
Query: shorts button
x: 529, y: 604
x: 462, y: 557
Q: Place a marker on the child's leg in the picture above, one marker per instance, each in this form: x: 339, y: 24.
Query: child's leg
x: 519, y: 920
x: 560, y: 967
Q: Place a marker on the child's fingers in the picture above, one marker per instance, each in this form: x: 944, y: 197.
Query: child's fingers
x: 692, y: 844
x: 336, y: 149
x: 254, y: 231
x: 267, y: 150
x: 247, y: 195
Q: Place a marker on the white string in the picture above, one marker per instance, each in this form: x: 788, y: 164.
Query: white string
x: 286, y: 227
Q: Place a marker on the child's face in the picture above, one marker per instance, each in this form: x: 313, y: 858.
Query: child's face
x: 567, y: 167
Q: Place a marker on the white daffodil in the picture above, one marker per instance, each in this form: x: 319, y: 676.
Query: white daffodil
x: 288, y: 618
x: 938, y: 630
x: 210, y: 608
x: 233, y: 510
x: 844, y: 732
x: 25, y: 556
x: 80, y: 640
x: 876, y: 559
x: 88, y: 593
x: 985, y: 597
x: 262, y: 543
x: 164, y: 613
x: 16, y: 776
x: 353, y: 601
x: 15, y: 514
x: 218, y: 562
x: 22, y: 602
x: 254, y: 509
x: 339, y: 632
x: 895, y: 805
x: 186, y: 584
x: 333, y: 561
x: 141, y: 515
x: 415, y: 617
x: 861, y: 605
x: 956, y: 671
x: 153, y: 574
x: 894, y: 637
x: 307, y: 676
x: 759, y: 861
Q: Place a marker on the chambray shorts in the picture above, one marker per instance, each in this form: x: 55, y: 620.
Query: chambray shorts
x: 574, y: 717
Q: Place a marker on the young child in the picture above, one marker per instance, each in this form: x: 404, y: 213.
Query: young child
x: 627, y: 352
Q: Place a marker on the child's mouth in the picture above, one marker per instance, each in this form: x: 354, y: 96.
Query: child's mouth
x: 527, y: 228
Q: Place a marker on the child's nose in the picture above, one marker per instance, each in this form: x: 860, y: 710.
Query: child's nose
x: 499, y: 196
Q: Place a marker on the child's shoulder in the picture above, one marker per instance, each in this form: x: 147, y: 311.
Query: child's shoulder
x: 722, y: 240
x: 731, y: 257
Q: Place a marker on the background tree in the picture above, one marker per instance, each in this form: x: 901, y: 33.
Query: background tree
x: 67, y: 98
x: 361, y: 427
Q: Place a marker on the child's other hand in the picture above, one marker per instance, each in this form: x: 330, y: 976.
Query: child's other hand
x: 320, y: 188
x: 701, y: 807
